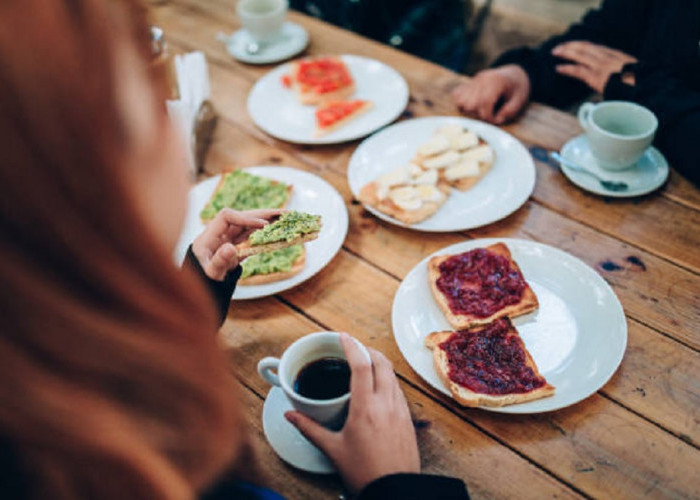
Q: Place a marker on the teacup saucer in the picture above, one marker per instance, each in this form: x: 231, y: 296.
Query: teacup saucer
x: 650, y: 172
x: 292, y: 40
x: 287, y: 441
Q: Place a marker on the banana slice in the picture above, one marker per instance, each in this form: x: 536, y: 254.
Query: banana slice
x: 482, y: 154
x: 468, y: 167
x: 430, y: 193
x: 441, y: 161
x: 428, y: 177
x: 398, y: 176
x: 463, y: 141
x: 436, y: 145
x: 406, y: 198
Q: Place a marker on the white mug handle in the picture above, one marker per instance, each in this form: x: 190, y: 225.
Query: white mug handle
x: 584, y: 114
x: 265, y: 369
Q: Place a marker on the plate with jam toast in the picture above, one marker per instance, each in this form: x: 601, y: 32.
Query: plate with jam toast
x: 509, y: 325
x: 289, y: 250
x: 327, y: 99
x: 441, y: 174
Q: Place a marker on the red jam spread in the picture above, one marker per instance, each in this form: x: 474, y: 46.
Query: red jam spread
x: 490, y: 361
x: 332, y: 112
x: 286, y: 81
x: 480, y: 283
x: 323, y: 75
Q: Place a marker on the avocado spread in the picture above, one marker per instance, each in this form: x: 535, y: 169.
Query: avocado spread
x: 277, y: 261
x: 289, y: 226
x: 243, y: 191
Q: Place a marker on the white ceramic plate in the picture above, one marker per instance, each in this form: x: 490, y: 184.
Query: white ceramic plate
x: 577, y: 336
x: 310, y: 194
x: 503, y: 189
x: 275, y: 109
x: 286, y: 440
x: 647, y: 175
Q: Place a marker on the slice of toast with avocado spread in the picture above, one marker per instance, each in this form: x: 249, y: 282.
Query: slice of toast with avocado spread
x: 291, y: 228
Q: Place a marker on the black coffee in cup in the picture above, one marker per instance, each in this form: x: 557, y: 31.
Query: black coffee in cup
x: 324, y: 378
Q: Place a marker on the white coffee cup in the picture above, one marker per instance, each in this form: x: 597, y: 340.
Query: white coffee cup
x: 328, y: 412
x: 262, y: 19
x: 618, y: 132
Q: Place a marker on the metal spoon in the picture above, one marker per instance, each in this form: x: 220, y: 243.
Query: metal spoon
x: 607, y: 184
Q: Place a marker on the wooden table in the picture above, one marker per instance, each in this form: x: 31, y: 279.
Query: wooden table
x: 637, y: 437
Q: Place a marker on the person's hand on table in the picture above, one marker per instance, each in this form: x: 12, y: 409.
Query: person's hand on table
x: 378, y: 437
x: 591, y: 63
x: 495, y: 95
x: 215, y: 249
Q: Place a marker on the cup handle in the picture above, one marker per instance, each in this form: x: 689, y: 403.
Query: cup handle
x: 584, y: 114
x: 267, y: 368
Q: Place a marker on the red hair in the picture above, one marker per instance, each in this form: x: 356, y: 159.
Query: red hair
x: 113, y: 385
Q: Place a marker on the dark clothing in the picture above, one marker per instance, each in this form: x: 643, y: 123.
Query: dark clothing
x: 435, y: 30
x: 220, y: 291
x: 664, y: 35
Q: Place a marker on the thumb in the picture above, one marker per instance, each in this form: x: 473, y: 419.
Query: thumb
x: 225, y: 259
x: 510, y: 108
x: 312, y: 430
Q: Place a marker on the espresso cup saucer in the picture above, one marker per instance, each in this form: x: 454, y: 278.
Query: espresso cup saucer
x: 292, y: 40
x: 648, y: 174
x: 287, y: 441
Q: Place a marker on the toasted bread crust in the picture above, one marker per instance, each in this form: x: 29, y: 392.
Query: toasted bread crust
x: 320, y: 132
x: 261, y: 279
x: 467, y: 397
x: 221, y: 183
x: 245, y: 249
x: 528, y: 302
x: 368, y: 196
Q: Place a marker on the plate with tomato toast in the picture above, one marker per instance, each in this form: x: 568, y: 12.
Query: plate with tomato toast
x: 327, y: 99
x: 441, y: 174
x: 509, y: 325
x: 309, y: 201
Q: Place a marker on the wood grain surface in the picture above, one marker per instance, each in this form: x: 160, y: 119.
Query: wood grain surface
x: 636, y: 438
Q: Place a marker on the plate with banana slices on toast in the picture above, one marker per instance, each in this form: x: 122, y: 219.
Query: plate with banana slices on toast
x: 441, y: 174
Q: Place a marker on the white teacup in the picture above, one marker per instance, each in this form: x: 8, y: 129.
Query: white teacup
x: 262, y: 19
x: 328, y: 412
x: 618, y: 132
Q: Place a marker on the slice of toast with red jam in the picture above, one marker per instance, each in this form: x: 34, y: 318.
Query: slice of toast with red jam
x: 487, y: 365
x: 479, y: 286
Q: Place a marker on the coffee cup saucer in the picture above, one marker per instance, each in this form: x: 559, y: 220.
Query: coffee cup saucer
x: 648, y: 174
x: 292, y: 40
x: 287, y: 441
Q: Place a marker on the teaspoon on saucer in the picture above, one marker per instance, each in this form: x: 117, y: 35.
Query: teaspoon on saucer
x: 605, y: 183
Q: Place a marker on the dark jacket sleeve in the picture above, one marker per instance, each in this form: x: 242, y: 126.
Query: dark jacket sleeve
x: 675, y: 104
x: 415, y: 487
x: 220, y: 291
x: 617, y: 24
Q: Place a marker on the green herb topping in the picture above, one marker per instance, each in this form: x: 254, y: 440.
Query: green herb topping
x: 289, y: 226
x: 243, y: 191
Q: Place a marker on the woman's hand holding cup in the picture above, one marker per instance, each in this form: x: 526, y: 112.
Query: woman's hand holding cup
x: 378, y: 437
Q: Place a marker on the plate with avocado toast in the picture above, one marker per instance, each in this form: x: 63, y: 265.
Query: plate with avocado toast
x: 297, y: 245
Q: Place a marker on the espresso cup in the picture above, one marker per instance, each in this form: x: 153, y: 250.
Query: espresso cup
x: 262, y: 19
x: 283, y: 372
x: 618, y: 132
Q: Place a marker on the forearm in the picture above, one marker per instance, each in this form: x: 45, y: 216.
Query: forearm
x: 618, y: 24
x: 675, y: 104
x: 220, y: 291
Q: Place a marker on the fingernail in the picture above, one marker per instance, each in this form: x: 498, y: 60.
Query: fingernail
x: 290, y: 416
x: 344, y: 336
